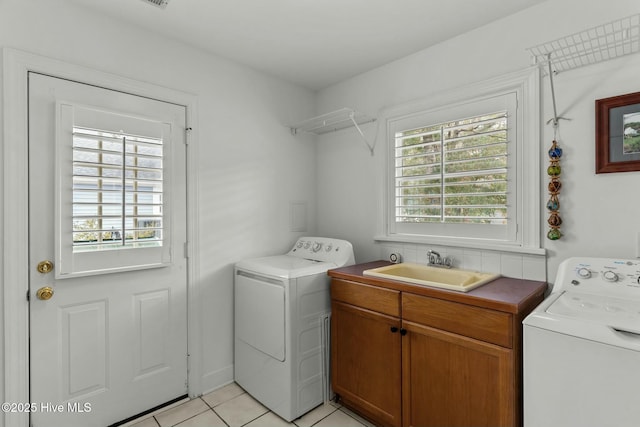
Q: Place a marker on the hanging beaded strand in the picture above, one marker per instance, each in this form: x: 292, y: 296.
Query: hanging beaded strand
x: 554, y: 170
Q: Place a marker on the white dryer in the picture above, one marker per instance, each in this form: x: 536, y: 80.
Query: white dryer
x: 282, y: 308
x: 582, y: 347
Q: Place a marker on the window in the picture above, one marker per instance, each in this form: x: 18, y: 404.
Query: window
x: 117, y: 190
x: 456, y: 169
x: 454, y: 172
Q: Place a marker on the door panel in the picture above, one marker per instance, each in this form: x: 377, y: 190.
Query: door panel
x: 152, y: 315
x: 84, y: 345
x: 111, y: 344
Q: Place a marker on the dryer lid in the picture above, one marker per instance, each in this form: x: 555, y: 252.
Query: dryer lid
x: 285, y: 266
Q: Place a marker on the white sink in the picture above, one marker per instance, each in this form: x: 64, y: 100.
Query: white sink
x: 424, y: 275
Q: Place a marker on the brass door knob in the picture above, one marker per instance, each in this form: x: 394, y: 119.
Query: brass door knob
x: 45, y: 267
x: 45, y: 293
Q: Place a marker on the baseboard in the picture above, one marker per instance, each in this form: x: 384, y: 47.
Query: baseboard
x: 216, y: 379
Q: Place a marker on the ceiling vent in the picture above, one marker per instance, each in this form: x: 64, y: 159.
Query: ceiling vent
x: 162, y: 4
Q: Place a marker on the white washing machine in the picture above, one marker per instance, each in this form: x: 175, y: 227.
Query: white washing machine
x: 282, y: 308
x: 582, y: 347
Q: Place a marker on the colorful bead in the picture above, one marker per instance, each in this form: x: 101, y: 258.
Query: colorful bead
x: 554, y: 234
x: 554, y: 169
x: 553, y: 204
x: 555, y: 220
x: 555, y: 152
x: 554, y: 185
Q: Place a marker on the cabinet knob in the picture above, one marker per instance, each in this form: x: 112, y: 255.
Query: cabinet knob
x: 403, y: 332
x: 394, y: 329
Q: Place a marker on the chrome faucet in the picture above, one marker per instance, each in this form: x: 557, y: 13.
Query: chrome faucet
x: 434, y: 257
x: 435, y: 260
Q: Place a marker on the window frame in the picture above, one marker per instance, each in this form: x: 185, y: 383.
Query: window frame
x: 525, y: 234
x: 71, y: 263
x: 471, y: 109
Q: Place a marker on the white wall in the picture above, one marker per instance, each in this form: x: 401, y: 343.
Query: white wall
x: 250, y: 165
x: 600, y: 212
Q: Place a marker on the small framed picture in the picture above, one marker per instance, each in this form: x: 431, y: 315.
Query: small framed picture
x: 618, y: 133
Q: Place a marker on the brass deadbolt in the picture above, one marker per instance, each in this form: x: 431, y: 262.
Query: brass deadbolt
x: 45, y: 267
x: 45, y: 293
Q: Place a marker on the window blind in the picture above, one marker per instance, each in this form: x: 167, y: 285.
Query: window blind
x: 453, y: 172
x: 117, y: 190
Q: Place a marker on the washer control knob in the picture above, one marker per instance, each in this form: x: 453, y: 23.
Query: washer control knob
x: 307, y: 245
x: 316, y: 246
x: 299, y: 245
x: 584, y: 273
x: 328, y: 247
x: 610, y: 276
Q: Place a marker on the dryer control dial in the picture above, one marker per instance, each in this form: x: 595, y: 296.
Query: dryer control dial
x: 316, y: 246
x: 584, y: 273
x: 610, y: 276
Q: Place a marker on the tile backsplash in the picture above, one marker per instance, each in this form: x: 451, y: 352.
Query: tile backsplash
x: 509, y: 264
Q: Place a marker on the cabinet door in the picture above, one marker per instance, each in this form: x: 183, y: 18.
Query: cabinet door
x: 450, y: 380
x: 366, y: 362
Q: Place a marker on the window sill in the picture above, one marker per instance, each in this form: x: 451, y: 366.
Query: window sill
x: 460, y: 243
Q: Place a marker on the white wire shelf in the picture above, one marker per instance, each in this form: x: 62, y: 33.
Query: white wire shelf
x: 333, y: 121
x: 604, y: 42
x: 336, y: 120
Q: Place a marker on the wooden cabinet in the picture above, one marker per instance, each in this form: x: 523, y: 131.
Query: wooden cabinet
x: 407, y: 357
x: 364, y: 341
x: 453, y: 380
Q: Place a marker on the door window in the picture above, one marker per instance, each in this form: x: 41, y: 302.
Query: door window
x: 113, y: 192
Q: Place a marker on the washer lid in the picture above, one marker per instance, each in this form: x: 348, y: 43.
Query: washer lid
x: 607, y: 320
x: 285, y: 266
x: 596, y: 308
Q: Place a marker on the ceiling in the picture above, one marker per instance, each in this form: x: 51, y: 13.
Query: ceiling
x: 312, y: 43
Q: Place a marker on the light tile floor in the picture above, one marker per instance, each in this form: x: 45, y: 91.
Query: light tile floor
x: 231, y: 406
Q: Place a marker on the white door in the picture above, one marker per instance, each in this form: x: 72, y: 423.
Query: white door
x: 107, y: 209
